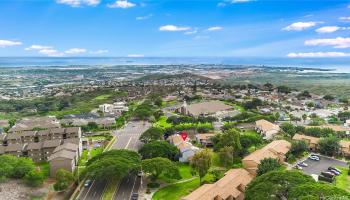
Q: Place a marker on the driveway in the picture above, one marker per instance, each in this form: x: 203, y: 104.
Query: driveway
x: 316, y: 167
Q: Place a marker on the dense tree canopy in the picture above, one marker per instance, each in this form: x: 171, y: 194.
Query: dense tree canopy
x: 226, y: 155
x: 201, y: 163
x: 63, y: 179
x: 14, y: 167
x: 113, y: 164
x: 329, y: 146
x: 290, y: 184
x: 158, y: 166
x: 152, y: 134
x: 158, y: 149
x: 343, y: 116
x: 317, y: 191
x: 229, y: 138
x: 267, y: 165
x: 298, y: 148
x: 34, y: 178
x: 283, y: 89
x: 253, y: 104
x: 288, y: 128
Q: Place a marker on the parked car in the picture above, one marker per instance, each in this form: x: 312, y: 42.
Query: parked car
x: 315, y: 158
x: 298, y: 167
x: 334, y: 172
x: 134, y: 196
x: 333, y: 168
x: 324, y: 178
x: 87, y: 183
x: 303, y: 164
x: 327, y: 174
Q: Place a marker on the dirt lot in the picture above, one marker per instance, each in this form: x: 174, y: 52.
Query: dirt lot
x: 16, y: 190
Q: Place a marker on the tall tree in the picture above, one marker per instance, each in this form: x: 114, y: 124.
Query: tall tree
x: 229, y: 138
x: 34, y: 178
x: 152, y: 134
x: 63, y: 179
x: 158, y: 149
x: 201, y: 163
x: 226, y: 156
x: 298, y: 147
x: 267, y: 165
x: 290, y: 184
x: 113, y: 164
x: 158, y: 166
x: 329, y: 146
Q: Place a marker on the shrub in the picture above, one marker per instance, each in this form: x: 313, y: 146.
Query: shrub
x: 153, y: 185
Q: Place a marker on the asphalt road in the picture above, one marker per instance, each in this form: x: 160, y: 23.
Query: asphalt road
x: 127, y: 138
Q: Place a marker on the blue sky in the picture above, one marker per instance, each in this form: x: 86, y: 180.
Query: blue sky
x: 232, y: 28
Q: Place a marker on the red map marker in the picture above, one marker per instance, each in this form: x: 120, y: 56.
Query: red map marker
x: 184, y: 135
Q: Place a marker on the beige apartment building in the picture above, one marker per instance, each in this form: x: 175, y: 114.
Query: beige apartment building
x: 231, y: 187
x: 276, y: 149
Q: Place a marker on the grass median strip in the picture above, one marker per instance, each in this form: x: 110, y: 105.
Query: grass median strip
x: 111, y: 189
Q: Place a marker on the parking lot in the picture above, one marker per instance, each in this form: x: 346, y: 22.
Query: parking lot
x: 316, y: 167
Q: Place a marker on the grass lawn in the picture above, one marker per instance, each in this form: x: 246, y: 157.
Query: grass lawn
x: 185, y: 172
x: 162, y: 123
x: 96, y: 151
x: 239, y: 108
x: 83, y: 158
x: 103, y: 97
x: 176, y: 191
x: 45, y: 168
x: 343, y: 180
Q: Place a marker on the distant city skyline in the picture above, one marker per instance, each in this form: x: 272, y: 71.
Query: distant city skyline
x: 150, y: 28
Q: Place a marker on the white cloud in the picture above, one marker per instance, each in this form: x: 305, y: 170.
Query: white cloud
x: 299, y: 26
x: 37, y: 47
x: 318, y: 55
x: 174, y: 28
x: 100, y: 51
x: 338, y: 42
x: 221, y: 4
x: 9, y: 43
x: 344, y: 19
x: 144, y: 17
x: 121, y: 4
x: 331, y: 29
x: 92, y: 2
x: 241, y: 1
x: 77, y: 3
x: 191, y: 32
x: 136, y: 55
x: 75, y: 51
x: 328, y: 29
x: 214, y: 28
x: 50, y: 52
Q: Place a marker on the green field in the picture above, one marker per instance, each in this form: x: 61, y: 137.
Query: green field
x: 343, y: 180
x: 162, y: 123
x: 176, y: 191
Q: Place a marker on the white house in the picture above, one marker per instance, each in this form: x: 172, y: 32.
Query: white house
x: 116, y: 108
x: 187, y: 150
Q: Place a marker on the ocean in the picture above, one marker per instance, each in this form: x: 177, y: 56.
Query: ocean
x: 341, y: 65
